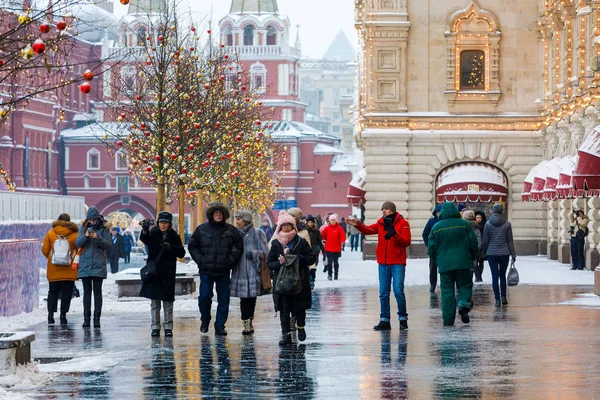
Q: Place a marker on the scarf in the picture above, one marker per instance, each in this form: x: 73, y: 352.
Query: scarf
x: 284, y: 238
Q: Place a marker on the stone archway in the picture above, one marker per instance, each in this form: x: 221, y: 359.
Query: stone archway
x: 114, y: 203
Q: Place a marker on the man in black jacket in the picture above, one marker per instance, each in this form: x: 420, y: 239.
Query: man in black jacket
x: 216, y: 247
x: 117, y: 249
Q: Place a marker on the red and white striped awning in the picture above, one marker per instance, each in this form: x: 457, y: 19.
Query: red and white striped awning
x: 472, y: 182
x: 586, y: 175
x: 564, y: 187
x: 552, y: 176
x: 356, y: 189
x: 539, y: 181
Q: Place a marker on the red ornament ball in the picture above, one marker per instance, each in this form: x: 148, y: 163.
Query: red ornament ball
x: 88, y: 75
x: 191, y: 147
x: 124, y: 2
x: 119, y: 143
x: 148, y: 169
x: 157, y: 157
x: 226, y: 56
x: 61, y: 25
x: 136, y: 142
x: 208, y: 31
x: 184, y: 171
x: 147, y: 134
x: 259, y: 154
x: 39, y: 46
x: 173, y: 156
x: 44, y: 28
x: 85, y: 88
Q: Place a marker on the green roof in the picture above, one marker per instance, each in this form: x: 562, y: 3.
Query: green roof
x: 254, y: 6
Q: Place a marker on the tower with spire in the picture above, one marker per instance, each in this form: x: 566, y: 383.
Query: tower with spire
x: 258, y: 35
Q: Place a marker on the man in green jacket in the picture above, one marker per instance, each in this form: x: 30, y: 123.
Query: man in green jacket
x: 453, y: 247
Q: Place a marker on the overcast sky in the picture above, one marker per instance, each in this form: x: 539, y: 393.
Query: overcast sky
x: 319, y: 20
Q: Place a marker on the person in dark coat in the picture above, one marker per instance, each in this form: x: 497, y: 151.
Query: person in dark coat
x: 94, y: 240
x: 316, y: 243
x: 116, y: 250
x: 246, y: 278
x: 266, y: 228
x: 164, y: 247
x: 433, y: 273
x: 216, y: 247
x: 288, y: 242
x: 481, y: 219
x: 129, y: 242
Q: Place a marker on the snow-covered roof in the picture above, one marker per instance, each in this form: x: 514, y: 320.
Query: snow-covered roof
x: 84, y: 117
x: 341, y: 163
x: 283, y: 129
x: 254, y: 6
x: 321, y: 148
x: 591, y: 144
x: 95, y: 130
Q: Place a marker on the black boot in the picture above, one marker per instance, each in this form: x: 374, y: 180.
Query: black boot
x: 63, y: 319
x: 403, y: 324
x: 51, y: 318
x: 87, y: 315
x: 97, y: 319
x: 504, y: 300
x: 382, y: 326
x: 464, y: 314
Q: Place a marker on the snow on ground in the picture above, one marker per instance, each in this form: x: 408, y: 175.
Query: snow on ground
x: 26, y: 377
x: 583, y: 300
x: 91, y: 362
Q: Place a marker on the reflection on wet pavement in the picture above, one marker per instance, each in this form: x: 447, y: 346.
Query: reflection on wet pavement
x: 531, y: 349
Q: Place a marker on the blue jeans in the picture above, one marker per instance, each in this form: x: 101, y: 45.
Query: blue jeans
x: 354, y: 242
x: 206, y: 294
x: 498, y: 266
x: 387, y: 274
x: 577, y: 256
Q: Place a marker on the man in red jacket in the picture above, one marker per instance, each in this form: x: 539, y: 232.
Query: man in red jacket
x: 393, y: 237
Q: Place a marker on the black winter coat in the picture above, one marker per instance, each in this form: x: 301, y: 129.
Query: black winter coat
x: 162, y: 287
x: 117, y: 249
x: 306, y: 258
x: 216, y: 248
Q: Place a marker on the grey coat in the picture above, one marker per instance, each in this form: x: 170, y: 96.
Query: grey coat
x: 92, y: 260
x: 246, y: 280
x: 498, y: 237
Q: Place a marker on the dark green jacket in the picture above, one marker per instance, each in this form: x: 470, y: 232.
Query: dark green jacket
x: 452, y: 243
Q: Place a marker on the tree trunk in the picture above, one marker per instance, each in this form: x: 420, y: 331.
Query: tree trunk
x: 199, y: 207
x: 181, y: 219
x: 160, y: 195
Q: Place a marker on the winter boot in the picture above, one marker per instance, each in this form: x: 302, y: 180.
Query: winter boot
x: 63, y: 319
x: 497, y: 302
x: 75, y: 292
x: 97, y: 319
x: 504, y: 300
x: 382, y: 326
x: 464, y: 315
x: 286, y: 339
x: 220, y: 331
x: 246, y: 323
x: 204, y: 327
x: 155, y: 333
x: 403, y: 324
x: 250, y: 324
x: 51, y: 318
x: 86, y: 319
x: 168, y: 333
x: 301, y: 333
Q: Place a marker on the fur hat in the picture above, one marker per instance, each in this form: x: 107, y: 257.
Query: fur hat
x: 310, y: 218
x: 285, y: 218
x: 389, y: 205
x: 165, y: 216
x: 64, y: 217
x: 212, y: 207
x: 498, y: 208
x: 469, y: 215
x: 461, y: 207
x: 296, y: 213
x: 245, y: 215
x: 92, y: 213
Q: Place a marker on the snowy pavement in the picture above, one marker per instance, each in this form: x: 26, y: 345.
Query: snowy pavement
x: 544, y: 344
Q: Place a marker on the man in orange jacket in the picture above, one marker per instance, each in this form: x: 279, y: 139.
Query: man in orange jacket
x: 393, y: 237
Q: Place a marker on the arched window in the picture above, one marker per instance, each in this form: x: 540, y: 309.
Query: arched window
x: 141, y: 36
x: 93, y: 159
x: 472, y: 69
x: 249, y: 35
x: 228, y: 36
x: 271, y: 36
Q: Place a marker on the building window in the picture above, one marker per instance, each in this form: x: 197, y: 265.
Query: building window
x: 472, y: 69
x: 67, y: 155
x: 93, y: 159
x: 294, y: 161
x: 121, y: 161
x: 128, y: 82
x: 107, y: 179
x: 249, y: 35
x: 286, y: 114
x: 141, y: 36
x: 258, y: 75
x: 271, y: 36
x: 228, y: 35
x: 86, y: 181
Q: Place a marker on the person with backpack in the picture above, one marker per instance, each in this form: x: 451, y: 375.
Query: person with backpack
x: 246, y: 278
x: 579, y: 230
x: 59, y: 249
x: 94, y: 241
x: 469, y: 216
x: 164, y: 247
x: 298, y: 299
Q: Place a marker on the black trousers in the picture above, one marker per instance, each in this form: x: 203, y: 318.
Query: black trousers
x: 433, y: 274
x: 478, y: 270
x: 289, y: 308
x: 114, y: 264
x: 62, y: 290
x: 333, y: 261
x: 92, y: 284
x: 247, y: 307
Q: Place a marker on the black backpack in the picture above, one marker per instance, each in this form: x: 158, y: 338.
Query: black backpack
x: 289, y: 281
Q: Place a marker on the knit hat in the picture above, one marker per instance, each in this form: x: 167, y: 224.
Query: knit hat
x: 498, y: 208
x: 310, y: 218
x: 296, y: 213
x: 92, y: 213
x: 461, y: 207
x: 212, y: 207
x: 469, y: 215
x: 245, y: 215
x: 165, y: 216
x: 333, y: 217
x: 285, y: 218
x: 389, y: 205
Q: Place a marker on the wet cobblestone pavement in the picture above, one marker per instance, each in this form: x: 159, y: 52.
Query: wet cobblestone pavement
x: 534, y: 348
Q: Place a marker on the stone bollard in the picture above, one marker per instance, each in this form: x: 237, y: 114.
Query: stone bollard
x: 597, y: 280
x: 15, y: 349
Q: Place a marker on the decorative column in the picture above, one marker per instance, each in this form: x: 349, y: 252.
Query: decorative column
x: 553, y: 232
x: 592, y: 257
x: 564, y: 238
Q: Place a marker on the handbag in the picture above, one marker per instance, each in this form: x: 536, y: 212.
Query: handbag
x: 148, y: 272
x: 265, y: 275
x: 75, y: 263
x: 513, y: 275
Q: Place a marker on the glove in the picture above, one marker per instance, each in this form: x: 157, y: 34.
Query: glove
x: 514, y: 259
x: 249, y: 256
x: 390, y: 234
x: 166, y: 246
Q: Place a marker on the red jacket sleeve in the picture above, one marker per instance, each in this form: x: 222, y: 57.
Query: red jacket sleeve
x: 368, y: 229
x: 402, y: 236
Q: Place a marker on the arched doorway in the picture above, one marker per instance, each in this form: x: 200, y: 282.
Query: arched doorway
x: 476, y: 185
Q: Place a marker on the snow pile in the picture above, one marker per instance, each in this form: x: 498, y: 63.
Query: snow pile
x: 583, y: 300
x: 26, y: 377
x: 88, y: 363
x: 23, y: 320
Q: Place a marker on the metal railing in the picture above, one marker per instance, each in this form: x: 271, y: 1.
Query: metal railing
x: 38, y: 207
